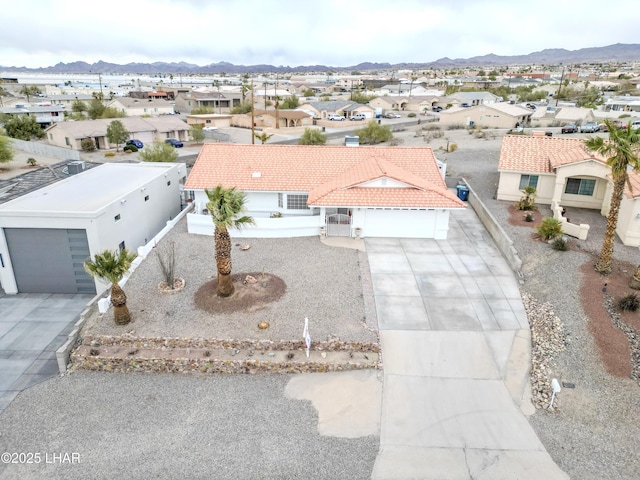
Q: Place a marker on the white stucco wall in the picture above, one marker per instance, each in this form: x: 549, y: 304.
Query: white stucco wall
x: 140, y: 220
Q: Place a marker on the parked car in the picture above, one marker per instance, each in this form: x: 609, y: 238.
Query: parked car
x: 437, y: 109
x: 358, y: 116
x: 589, y: 127
x: 635, y: 125
x: 569, y: 128
x: 136, y: 143
x: 174, y: 143
x: 335, y: 116
x: 209, y: 129
x: 602, y: 127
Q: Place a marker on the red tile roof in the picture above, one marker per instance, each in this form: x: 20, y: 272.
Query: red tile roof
x: 332, y: 175
x: 523, y: 153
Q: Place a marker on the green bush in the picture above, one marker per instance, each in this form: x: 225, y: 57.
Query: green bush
x: 629, y: 303
x: 109, y: 154
x: 87, y: 145
x: 130, y: 148
x: 31, y: 162
x: 529, y: 217
x: 550, y: 228
x: 560, y: 243
x: 411, y: 114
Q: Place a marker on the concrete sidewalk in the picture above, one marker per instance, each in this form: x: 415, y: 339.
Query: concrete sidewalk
x: 456, y: 350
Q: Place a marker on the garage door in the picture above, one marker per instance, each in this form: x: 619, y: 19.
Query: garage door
x: 49, y: 260
x: 400, y: 223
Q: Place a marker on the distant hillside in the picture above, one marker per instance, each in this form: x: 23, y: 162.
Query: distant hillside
x: 612, y: 53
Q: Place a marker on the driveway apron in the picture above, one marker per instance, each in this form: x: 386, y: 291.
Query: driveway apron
x: 32, y: 327
x: 456, y: 352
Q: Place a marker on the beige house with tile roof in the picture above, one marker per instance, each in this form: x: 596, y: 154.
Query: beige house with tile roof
x: 497, y: 115
x: 147, y: 130
x: 565, y: 174
x: 297, y: 190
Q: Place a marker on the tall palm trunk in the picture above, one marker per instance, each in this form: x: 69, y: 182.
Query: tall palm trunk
x: 121, y: 313
x: 605, y: 262
x: 223, y: 261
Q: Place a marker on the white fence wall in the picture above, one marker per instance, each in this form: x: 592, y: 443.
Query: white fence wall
x: 283, y: 227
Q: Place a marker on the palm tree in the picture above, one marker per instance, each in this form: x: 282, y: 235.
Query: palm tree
x: 263, y: 137
x: 111, y: 266
x: 225, y: 206
x: 621, y: 152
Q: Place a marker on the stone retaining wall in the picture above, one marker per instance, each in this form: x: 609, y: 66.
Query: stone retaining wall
x: 185, y: 355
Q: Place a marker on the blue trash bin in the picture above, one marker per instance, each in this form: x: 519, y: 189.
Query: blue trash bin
x: 463, y: 192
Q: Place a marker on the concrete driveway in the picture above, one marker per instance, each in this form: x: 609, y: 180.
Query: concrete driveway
x: 456, y: 348
x: 32, y: 327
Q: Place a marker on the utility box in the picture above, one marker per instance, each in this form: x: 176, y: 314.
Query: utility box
x: 463, y: 192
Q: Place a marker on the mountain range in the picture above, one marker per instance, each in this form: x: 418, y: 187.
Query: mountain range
x: 618, y: 52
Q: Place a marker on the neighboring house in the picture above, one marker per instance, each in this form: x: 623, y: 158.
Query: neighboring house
x: 565, y: 174
x: 323, y: 109
x: 553, y: 116
x: 422, y: 103
x: 45, y: 114
x: 47, y: 234
x: 139, y: 107
x: 71, y: 134
x: 296, y: 190
x: 498, y: 115
x: 218, y: 101
x: 68, y: 100
x: 625, y: 103
x: 269, y: 119
x: 209, y: 120
x: 471, y: 99
x: 389, y: 102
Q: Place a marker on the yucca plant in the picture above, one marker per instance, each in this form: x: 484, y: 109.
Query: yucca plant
x: 110, y: 267
x: 550, y: 228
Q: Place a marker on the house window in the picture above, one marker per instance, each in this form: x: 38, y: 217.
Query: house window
x: 168, y: 183
x: 580, y: 186
x: 67, y: 141
x: 117, y: 217
x: 280, y: 201
x: 146, y: 198
x: 121, y: 246
x: 297, y: 202
x: 528, y: 181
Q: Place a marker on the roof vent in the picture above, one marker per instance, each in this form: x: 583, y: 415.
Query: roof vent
x: 256, y: 174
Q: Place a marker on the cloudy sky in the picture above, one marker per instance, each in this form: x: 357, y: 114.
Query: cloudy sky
x: 41, y: 33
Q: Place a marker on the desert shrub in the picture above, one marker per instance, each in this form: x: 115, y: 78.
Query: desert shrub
x: 528, y: 201
x: 109, y: 154
x: 395, y: 141
x: 453, y: 147
x: 456, y: 126
x: 629, y: 303
x: 560, y: 243
x: 529, y: 217
x: 130, y: 148
x: 87, y: 145
x: 31, y: 162
x: 550, y: 228
x: 431, y: 127
x: 167, y: 261
x: 411, y: 114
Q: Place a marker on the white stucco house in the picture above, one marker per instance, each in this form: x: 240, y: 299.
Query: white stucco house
x: 297, y: 190
x: 47, y: 234
x: 565, y: 174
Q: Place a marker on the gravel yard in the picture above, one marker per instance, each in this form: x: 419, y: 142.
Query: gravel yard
x: 323, y: 283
